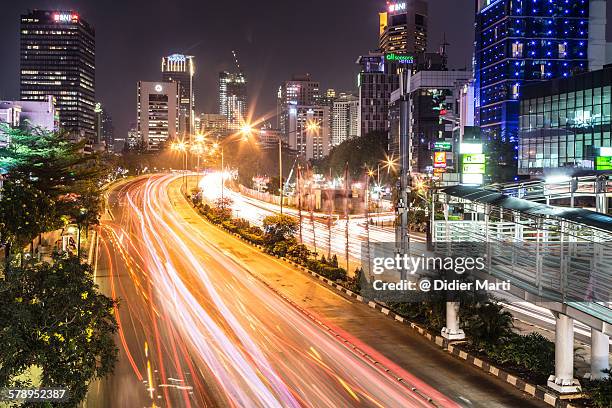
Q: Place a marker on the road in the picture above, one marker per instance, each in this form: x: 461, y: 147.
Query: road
x: 197, y: 329
x: 316, y: 233
x: 255, y: 211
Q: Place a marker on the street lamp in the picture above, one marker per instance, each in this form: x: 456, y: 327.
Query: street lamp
x: 245, y: 132
x: 182, y: 147
x: 311, y: 126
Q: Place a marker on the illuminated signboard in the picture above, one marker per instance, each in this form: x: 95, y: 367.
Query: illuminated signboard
x: 605, y: 151
x: 603, y: 163
x: 65, y: 17
x: 472, y: 164
x: 177, y: 58
x: 443, y: 146
x: 158, y: 88
x: 397, y: 7
x: 473, y: 168
x: 472, y: 179
x: 439, y: 160
x: 478, y: 158
x: 400, y: 58
x: 470, y: 148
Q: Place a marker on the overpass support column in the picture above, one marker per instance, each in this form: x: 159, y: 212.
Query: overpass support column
x: 563, y: 380
x: 452, y: 331
x: 600, y: 348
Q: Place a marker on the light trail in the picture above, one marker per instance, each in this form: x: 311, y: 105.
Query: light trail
x: 213, y: 321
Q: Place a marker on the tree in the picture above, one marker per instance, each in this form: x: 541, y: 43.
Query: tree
x: 278, y: 228
x: 488, y: 324
x: 53, y: 317
x: 600, y: 391
x: 48, y: 182
x: 360, y: 152
x: 25, y: 211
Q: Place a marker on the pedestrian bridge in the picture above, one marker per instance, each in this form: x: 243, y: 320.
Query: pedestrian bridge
x: 560, y: 258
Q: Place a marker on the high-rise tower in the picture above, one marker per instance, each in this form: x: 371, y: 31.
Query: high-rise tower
x: 403, y: 27
x: 233, y: 98
x: 181, y: 69
x: 518, y: 42
x: 58, y: 59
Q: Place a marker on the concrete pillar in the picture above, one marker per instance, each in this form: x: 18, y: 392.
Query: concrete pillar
x: 600, y: 349
x: 452, y: 331
x: 563, y: 380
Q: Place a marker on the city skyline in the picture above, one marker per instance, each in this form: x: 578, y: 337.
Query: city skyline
x: 258, y: 46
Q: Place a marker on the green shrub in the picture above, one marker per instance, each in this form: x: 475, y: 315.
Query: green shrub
x: 298, y: 253
x: 278, y: 228
x: 532, y: 352
x: 255, y: 239
x: 600, y: 391
x: 488, y: 324
x: 333, y: 273
x: 281, y: 247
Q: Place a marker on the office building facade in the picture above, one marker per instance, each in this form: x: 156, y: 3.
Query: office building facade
x: 181, y: 69
x: 433, y: 97
x: 213, y: 125
x: 37, y: 115
x: 58, y: 59
x: 520, y: 42
x: 233, y: 99
x: 301, y: 90
x: 158, y: 113
x: 345, y: 118
x: 310, y: 142
x: 564, y: 123
x: 376, y: 80
x: 403, y: 27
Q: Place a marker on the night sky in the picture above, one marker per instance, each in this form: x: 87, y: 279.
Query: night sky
x: 273, y: 39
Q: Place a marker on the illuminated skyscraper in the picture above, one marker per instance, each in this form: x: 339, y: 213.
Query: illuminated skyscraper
x: 233, y: 98
x: 519, y: 42
x: 181, y: 69
x: 58, y: 59
x: 403, y: 27
x: 301, y: 90
x: 158, y: 113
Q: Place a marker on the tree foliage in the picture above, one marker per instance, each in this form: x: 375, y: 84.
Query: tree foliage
x: 54, y: 318
x: 488, y: 324
x: 360, y: 152
x: 279, y: 228
x: 48, y: 181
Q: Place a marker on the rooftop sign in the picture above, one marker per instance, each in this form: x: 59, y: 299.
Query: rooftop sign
x: 401, y: 58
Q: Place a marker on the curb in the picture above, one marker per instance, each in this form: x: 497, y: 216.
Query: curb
x: 533, y: 390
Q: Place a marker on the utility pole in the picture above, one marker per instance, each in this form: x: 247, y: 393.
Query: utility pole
x: 280, y: 173
x: 299, y: 194
x: 402, y: 237
x: 222, y: 178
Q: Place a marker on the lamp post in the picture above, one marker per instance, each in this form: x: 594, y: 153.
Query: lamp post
x: 245, y: 132
x: 182, y: 148
x: 311, y: 127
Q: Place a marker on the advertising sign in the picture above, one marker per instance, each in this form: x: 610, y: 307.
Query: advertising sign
x: 439, y: 160
x: 400, y: 58
x: 474, y: 158
x: 443, y: 146
x: 473, y: 168
x: 603, y: 163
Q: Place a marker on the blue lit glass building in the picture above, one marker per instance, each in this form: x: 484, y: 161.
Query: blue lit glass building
x: 521, y: 41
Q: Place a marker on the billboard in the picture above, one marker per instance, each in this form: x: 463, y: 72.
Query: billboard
x: 443, y: 147
x: 439, y: 160
x: 603, y: 163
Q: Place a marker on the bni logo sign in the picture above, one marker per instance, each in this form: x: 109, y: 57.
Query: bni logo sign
x: 64, y: 17
x: 396, y: 7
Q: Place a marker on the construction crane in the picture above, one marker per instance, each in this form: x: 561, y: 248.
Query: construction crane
x: 236, y: 61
